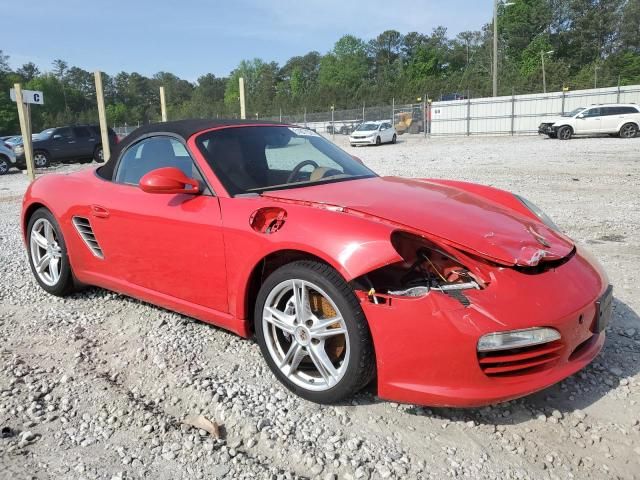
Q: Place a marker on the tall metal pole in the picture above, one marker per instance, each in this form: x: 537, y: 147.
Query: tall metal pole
x: 595, y: 78
x: 102, y: 116
x: 393, y: 109
x: 425, y: 117
x: 544, y: 77
x: 495, y: 48
x: 333, y: 125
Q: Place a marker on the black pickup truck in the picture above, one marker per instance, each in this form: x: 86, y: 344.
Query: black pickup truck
x: 81, y: 143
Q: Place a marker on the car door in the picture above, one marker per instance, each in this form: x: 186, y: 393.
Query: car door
x: 62, y: 144
x: 84, y: 142
x: 388, y: 132
x: 170, y: 244
x: 588, y: 121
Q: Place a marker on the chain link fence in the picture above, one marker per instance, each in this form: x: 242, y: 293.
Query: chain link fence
x: 510, y: 115
x: 506, y: 115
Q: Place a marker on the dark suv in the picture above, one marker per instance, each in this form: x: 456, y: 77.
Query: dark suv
x: 81, y: 143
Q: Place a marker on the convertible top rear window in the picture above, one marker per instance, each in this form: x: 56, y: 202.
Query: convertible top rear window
x: 255, y: 159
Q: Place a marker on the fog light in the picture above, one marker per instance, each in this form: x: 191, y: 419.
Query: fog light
x: 517, y: 339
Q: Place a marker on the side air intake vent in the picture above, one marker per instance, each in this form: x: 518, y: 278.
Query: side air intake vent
x: 86, y: 232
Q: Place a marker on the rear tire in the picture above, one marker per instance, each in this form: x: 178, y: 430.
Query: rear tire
x: 344, y: 341
x: 41, y: 159
x: 628, y: 130
x: 45, y: 240
x: 98, y: 154
x: 565, y: 133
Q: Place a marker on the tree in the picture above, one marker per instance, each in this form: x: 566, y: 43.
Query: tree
x: 28, y: 71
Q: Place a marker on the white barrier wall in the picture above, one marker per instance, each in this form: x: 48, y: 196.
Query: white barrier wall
x: 518, y: 114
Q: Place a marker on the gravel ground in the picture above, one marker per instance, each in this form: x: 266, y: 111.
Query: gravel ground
x: 98, y: 385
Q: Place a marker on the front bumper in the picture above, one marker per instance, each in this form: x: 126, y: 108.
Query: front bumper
x: 362, y: 141
x: 426, y: 347
x: 546, y: 128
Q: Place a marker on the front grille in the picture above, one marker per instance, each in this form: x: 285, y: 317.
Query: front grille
x: 519, y: 361
x: 83, y: 226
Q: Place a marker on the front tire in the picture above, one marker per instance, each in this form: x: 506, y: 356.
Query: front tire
x: 5, y: 165
x: 378, y: 141
x: 41, y: 159
x: 628, y: 130
x: 48, y: 254
x: 394, y: 139
x: 312, y: 332
x: 565, y: 133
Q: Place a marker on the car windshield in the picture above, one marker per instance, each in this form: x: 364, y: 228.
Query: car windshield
x: 256, y: 159
x: 45, y: 134
x: 573, y: 113
x: 367, y: 127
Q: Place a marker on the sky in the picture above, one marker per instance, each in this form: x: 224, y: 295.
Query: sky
x: 192, y: 37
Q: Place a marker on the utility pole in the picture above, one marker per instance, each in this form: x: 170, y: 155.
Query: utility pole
x: 544, y: 76
x: 495, y: 44
x: 495, y: 48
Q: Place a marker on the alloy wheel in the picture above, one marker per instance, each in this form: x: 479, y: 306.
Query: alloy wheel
x: 40, y: 160
x: 306, y: 335
x: 4, y: 166
x: 46, y: 253
x: 628, y: 131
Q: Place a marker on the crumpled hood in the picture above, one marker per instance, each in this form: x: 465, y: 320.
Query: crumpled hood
x: 464, y: 220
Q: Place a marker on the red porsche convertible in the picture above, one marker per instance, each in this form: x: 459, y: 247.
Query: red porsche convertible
x: 444, y: 292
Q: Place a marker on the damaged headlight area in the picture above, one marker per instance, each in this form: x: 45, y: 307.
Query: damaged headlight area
x: 425, y: 267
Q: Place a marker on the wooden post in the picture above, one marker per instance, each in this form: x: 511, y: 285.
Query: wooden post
x: 243, y: 113
x: 163, y: 105
x: 25, y: 130
x: 102, y: 115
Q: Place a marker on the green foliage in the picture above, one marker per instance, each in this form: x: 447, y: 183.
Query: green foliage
x: 590, y: 39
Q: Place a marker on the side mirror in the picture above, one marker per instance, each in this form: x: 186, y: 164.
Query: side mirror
x: 580, y: 116
x: 57, y: 136
x: 168, y: 180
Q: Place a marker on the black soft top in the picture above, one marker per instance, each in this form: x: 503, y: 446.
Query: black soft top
x: 181, y: 128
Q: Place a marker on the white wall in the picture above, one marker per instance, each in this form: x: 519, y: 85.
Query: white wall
x: 519, y: 114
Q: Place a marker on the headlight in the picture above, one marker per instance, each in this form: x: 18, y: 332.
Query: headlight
x: 544, y: 218
x: 517, y: 339
x: 18, y: 149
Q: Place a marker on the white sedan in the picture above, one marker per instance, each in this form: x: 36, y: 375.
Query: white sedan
x: 373, y: 133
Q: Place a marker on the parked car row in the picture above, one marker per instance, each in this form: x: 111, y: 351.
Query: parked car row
x: 77, y: 143
x: 621, y: 120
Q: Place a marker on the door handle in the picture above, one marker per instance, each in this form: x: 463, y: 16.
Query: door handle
x: 100, y: 212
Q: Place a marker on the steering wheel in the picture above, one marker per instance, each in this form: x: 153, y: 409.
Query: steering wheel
x: 294, y: 173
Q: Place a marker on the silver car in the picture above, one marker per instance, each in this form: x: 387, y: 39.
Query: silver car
x: 7, y: 159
